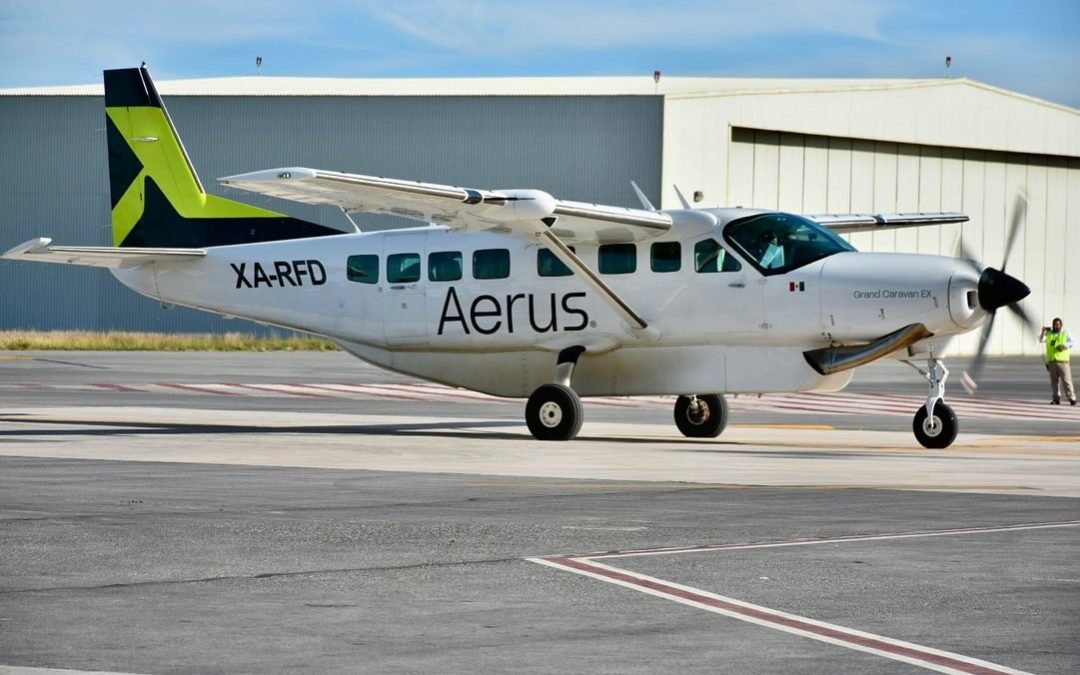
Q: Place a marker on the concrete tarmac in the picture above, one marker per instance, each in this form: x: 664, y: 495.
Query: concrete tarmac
x: 382, y: 526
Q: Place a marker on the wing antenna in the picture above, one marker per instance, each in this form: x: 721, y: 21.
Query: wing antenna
x: 645, y: 203
x: 682, y: 197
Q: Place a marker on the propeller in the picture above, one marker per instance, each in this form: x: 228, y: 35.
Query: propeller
x: 996, y: 290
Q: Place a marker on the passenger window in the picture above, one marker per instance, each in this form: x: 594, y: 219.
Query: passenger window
x: 491, y: 263
x: 710, y: 256
x: 618, y: 259
x: 444, y: 266
x: 548, y: 265
x: 403, y: 268
x: 363, y: 268
x: 665, y: 256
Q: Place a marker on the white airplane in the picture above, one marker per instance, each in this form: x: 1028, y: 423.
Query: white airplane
x: 516, y: 293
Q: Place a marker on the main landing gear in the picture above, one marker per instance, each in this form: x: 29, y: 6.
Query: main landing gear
x: 935, y: 424
x: 701, y: 416
x: 554, y: 411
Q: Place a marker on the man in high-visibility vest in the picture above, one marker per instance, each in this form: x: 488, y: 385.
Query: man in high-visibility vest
x: 1058, y: 343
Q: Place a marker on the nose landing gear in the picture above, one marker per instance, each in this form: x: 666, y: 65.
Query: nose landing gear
x: 935, y: 423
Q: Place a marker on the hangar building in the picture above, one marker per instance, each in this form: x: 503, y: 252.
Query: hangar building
x: 809, y: 146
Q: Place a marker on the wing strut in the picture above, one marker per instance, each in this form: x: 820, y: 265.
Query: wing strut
x: 570, y: 259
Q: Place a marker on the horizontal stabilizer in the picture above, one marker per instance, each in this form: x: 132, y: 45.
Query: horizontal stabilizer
x: 41, y: 250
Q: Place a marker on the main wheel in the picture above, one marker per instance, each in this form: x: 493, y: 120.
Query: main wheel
x: 554, y: 413
x: 935, y: 431
x: 703, y: 417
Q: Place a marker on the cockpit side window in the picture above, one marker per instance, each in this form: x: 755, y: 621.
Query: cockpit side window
x: 776, y: 243
x: 710, y: 256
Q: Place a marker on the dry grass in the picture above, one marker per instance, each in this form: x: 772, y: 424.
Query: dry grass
x: 166, y: 342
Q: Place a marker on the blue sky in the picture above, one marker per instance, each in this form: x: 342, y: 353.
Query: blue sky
x: 1031, y: 47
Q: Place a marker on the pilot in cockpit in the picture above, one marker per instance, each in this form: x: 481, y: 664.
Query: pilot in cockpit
x: 774, y: 252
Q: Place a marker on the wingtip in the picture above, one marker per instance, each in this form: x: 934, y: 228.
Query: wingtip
x: 33, y: 246
x: 270, y: 175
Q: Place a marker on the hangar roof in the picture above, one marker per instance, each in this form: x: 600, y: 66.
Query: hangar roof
x: 518, y: 86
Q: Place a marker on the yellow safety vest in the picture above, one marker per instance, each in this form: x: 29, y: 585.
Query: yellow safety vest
x: 1052, y: 342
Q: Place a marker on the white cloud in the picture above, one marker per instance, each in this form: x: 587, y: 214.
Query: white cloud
x: 500, y: 27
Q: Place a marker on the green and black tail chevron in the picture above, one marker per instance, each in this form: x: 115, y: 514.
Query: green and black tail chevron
x: 157, y: 198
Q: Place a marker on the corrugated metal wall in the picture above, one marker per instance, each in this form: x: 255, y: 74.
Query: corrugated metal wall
x: 585, y: 148
x: 818, y: 174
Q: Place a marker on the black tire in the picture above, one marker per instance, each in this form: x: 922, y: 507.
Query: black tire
x: 554, y: 413
x: 936, y: 433
x: 709, y: 420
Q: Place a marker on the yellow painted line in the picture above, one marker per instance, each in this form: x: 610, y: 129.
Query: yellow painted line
x: 14, y: 357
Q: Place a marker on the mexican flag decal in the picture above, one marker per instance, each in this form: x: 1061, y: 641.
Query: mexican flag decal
x: 799, y: 286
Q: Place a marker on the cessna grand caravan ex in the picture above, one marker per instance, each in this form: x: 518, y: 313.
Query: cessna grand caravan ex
x: 516, y: 293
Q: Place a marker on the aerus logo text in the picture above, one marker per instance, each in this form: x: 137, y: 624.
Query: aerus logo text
x: 488, y: 314
x: 285, y: 273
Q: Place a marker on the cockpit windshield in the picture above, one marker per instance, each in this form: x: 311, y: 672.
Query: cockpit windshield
x: 776, y: 243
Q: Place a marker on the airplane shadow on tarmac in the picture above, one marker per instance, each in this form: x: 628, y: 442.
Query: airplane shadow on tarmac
x: 442, y: 429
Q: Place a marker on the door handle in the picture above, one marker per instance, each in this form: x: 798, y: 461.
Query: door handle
x: 737, y: 284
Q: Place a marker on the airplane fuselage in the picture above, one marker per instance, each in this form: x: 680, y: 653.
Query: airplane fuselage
x: 467, y: 309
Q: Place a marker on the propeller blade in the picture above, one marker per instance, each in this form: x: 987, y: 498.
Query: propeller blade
x: 1019, y: 209
x: 970, y: 378
x: 965, y: 254
x: 1022, y: 315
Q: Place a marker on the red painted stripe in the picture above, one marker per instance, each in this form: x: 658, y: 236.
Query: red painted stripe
x: 767, y: 616
x: 116, y: 387
x: 196, y: 388
x: 354, y: 389
x: 437, y: 390
x: 276, y: 389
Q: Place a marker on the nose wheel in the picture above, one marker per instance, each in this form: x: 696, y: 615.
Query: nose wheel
x: 935, y: 423
x: 701, y: 416
x: 938, y: 430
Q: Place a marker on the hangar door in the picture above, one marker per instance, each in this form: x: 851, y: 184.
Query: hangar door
x: 806, y: 173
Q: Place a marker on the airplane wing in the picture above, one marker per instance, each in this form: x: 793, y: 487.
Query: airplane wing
x: 456, y: 207
x: 856, y: 222
x: 40, y: 250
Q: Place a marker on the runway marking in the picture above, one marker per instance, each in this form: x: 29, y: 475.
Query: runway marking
x: 114, y: 387
x: 287, y: 389
x: 198, y: 388
x: 27, y: 670
x: 898, y: 650
x: 796, y: 404
x: 633, y: 553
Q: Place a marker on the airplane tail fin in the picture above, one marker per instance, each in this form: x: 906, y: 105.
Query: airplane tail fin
x: 157, y: 198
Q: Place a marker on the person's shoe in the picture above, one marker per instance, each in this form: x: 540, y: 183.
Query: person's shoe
x: 1055, y: 402
x: 1072, y: 402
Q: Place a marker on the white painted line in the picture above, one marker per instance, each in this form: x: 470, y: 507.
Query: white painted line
x: 830, y: 540
x: 897, y: 650
x: 27, y: 670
